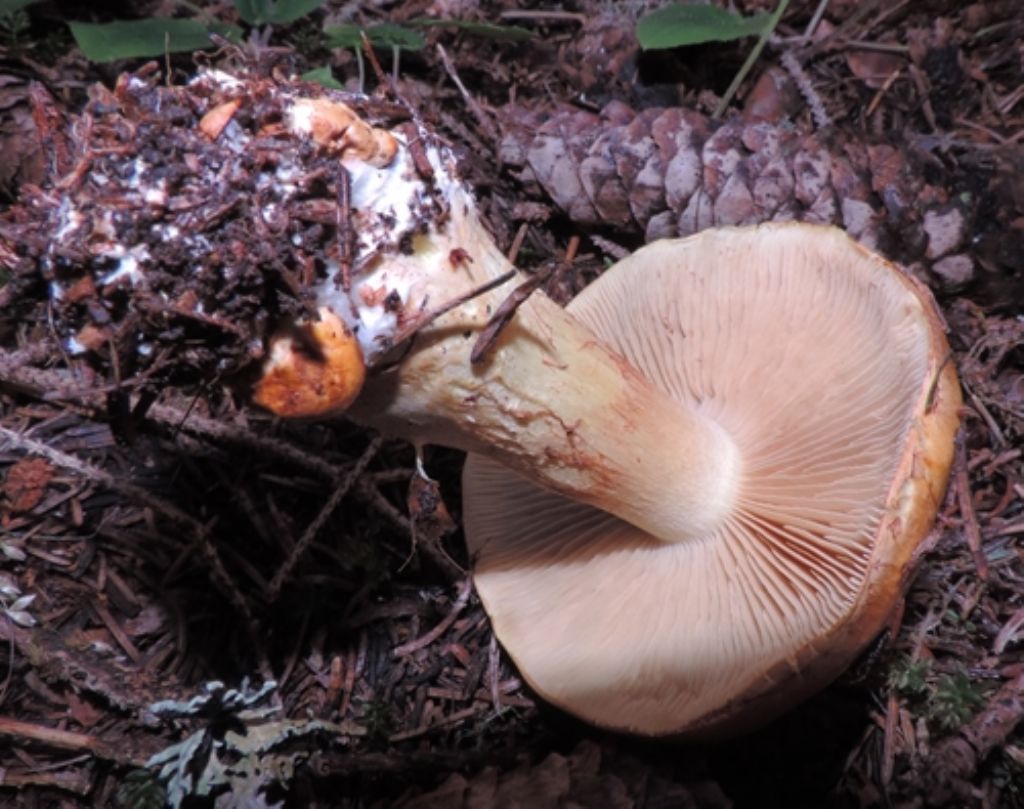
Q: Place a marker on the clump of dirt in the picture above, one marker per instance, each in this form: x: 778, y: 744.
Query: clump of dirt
x: 181, y: 224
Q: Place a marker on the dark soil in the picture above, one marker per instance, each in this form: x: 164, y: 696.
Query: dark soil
x: 172, y: 535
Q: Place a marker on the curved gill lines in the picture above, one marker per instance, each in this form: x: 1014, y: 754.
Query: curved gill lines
x: 844, y: 530
x: 803, y: 591
x: 813, y: 559
x: 815, y: 456
x: 653, y: 352
x: 813, y: 547
x: 744, y: 595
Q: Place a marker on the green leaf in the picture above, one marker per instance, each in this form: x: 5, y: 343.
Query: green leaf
x: 396, y: 36
x: 484, y: 30
x: 678, y: 24
x: 382, y: 34
x: 275, y: 12
x: 343, y: 36
x: 130, y: 39
x: 9, y: 7
x: 323, y: 77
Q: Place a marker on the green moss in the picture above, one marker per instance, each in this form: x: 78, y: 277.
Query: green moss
x: 954, y: 700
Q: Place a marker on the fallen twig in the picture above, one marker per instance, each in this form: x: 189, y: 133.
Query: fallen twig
x: 972, y: 531
x: 425, y: 319
x: 444, y: 721
x: 489, y: 335
x: 425, y: 640
x: 64, y: 739
x: 486, y: 124
x: 314, y: 527
x: 55, y: 385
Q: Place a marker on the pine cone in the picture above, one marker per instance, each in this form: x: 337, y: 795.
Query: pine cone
x: 601, y: 60
x: 672, y: 171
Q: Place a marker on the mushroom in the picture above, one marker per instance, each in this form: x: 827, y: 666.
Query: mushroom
x: 828, y: 369
x: 693, y: 496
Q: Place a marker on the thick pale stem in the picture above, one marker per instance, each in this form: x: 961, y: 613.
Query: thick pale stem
x: 549, y: 400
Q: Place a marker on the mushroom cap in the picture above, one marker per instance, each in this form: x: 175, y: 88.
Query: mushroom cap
x: 828, y: 367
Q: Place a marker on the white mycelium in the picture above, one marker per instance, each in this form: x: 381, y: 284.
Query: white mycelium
x: 393, y: 215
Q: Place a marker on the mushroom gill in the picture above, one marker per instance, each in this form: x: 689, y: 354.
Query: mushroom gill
x: 820, y: 360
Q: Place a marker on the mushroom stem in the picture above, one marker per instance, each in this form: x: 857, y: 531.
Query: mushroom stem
x: 550, y: 401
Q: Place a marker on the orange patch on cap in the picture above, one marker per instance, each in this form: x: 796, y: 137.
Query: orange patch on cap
x: 296, y: 383
x: 338, y: 127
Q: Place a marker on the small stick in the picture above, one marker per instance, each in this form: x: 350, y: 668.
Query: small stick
x: 209, y: 428
x: 486, y: 124
x: 972, y: 531
x: 78, y: 781
x: 517, y: 243
x: 425, y: 640
x: 831, y: 41
x: 424, y: 320
x: 423, y: 730
x: 378, y: 71
x: 544, y: 16
x: 921, y: 84
x: 889, y: 725
x: 53, y: 385
x: 494, y: 673
x: 63, y: 739
x: 489, y: 335
x: 5, y: 686
x: 417, y: 151
x: 570, y: 252
x: 888, y: 83
x: 48, y: 122
x: 321, y: 518
x: 1007, y: 530
x: 877, y: 47
x: 812, y: 26
x: 504, y: 313
x: 119, y: 634
x: 349, y: 684
x: 371, y: 495
x: 990, y: 422
x: 343, y: 223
